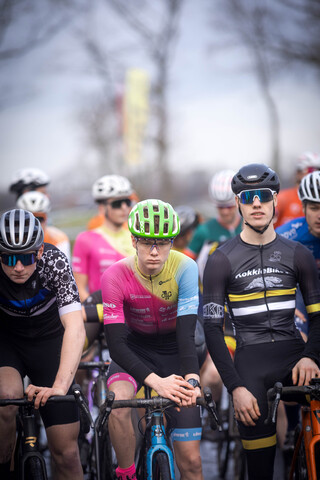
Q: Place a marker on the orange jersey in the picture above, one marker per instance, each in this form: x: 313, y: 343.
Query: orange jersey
x: 57, y: 237
x: 289, y: 206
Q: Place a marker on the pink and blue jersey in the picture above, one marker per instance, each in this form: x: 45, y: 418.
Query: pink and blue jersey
x: 96, y: 250
x: 150, y: 304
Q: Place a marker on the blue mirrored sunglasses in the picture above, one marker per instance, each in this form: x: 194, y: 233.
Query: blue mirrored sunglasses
x: 264, y: 195
x: 25, y: 258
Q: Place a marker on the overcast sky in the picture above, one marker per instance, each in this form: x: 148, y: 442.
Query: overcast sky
x: 218, y: 119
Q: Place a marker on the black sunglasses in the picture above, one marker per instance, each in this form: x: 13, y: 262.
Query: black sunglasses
x: 118, y: 203
x: 25, y: 258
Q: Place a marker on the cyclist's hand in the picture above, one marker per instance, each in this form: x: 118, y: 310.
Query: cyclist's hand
x: 245, y: 405
x: 41, y: 394
x: 300, y: 315
x: 173, y: 387
x: 304, y: 370
x: 192, y: 401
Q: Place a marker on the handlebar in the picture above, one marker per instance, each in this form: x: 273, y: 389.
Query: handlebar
x: 290, y: 394
x: 101, y: 365
x: 156, y: 403
x: 77, y: 397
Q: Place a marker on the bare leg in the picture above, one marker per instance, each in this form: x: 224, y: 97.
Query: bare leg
x: 120, y: 426
x: 63, y: 445
x: 188, y: 460
x: 10, y: 387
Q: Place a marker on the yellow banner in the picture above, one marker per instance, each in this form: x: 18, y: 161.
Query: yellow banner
x: 135, y: 114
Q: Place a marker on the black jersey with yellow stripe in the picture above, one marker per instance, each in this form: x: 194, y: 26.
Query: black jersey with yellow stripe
x: 259, y: 283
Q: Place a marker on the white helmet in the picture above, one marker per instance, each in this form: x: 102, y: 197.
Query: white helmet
x: 309, y: 189
x: 28, y: 177
x: 35, y: 202
x: 111, y: 186
x: 308, y: 160
x: 220, y: 189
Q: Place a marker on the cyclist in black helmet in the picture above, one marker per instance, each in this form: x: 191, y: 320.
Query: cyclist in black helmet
x: 41, y: 336
x: 257, y: 273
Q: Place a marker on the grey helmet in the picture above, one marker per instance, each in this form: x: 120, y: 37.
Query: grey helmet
x: 20, y: 231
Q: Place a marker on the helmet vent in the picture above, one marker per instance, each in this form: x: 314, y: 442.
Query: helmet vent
x: 166, y: 212
x: 156, y: 223
x: 146, y: 212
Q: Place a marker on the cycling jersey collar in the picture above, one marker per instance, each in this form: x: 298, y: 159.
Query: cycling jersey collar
x: 148, y: 277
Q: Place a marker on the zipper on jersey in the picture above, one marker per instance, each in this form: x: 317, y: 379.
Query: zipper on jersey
x: 265, y: 293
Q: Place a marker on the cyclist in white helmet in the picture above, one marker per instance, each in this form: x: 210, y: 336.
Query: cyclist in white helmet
x: 95, y: 250
x: 227, y: 224
x: 100, y: 191
x: 29, y: 179
x: 39, y: 204
x: 289, y: 203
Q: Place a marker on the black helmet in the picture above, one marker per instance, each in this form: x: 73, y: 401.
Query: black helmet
x: 255, y: 175
x: 20, y: 231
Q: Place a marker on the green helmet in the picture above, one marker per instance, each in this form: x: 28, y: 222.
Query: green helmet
x: 153, y: 219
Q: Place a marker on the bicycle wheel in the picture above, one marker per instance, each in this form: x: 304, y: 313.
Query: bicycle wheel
x: 161, y: 467
x: 301, y: 469
x: 34, y: 469
x: 107, y: 456
x: 239, y: 460
x: 223, y: 449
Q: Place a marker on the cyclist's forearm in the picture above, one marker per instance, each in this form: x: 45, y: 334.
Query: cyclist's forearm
x: 186, y: 344
x: 71, y: 350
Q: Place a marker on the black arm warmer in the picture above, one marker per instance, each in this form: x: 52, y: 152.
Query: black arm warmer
x: 116, y: 335
x: 312, y: 347
x: 186, y: 325
x: 221, y: 356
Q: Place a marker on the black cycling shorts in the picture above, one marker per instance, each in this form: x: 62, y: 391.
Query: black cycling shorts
x: 39, y: 360
x: 184, y: 425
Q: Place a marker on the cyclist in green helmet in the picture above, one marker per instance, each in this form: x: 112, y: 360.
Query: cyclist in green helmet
x: 150, y: 311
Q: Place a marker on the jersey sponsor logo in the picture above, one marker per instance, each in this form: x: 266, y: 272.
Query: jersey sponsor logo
x: 275, y: 256
x: 111, y: 317
x: 133, y: 297
x: 166, y: 295
x: 268, y: 281
x: 164, y: 281
x: 258, y: 271
x: 140, y: 310
x: 213, y: 310
x: 109, y: 305
x: 165, y: 309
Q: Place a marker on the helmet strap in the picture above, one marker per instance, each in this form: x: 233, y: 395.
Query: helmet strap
x: 261, y: 231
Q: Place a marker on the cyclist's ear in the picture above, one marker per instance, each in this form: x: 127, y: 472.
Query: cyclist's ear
x: 40, y: 252
x: 134, y: 241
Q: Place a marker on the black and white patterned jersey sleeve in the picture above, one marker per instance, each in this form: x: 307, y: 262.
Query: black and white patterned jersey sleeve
x: 56, y: 275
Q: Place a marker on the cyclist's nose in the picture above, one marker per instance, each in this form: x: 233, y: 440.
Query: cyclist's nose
x: 19, y: 266
x: 154, y: 249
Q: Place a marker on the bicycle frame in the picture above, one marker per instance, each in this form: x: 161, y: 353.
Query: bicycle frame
x: 310, y: 433
x: 308, y: 397
x: 28, y: 444
x: 155, y: 440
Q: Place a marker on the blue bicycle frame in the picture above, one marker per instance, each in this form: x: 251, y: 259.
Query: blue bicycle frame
x: 158, y: 443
